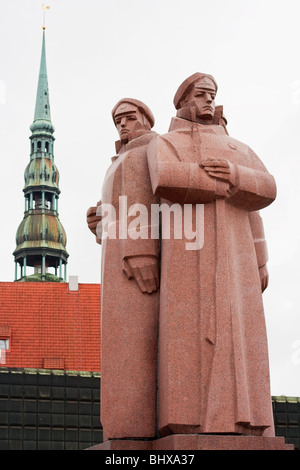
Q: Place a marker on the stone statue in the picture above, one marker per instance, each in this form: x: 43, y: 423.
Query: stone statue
x: 129, y: 285
x: 213, y: 371
x: 184, y: 356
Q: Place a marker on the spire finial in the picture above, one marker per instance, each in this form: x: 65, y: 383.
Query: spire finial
x: 45, y: 7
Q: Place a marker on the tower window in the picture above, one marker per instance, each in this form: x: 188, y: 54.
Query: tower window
x: 47, y: 147
x: 39, y: 146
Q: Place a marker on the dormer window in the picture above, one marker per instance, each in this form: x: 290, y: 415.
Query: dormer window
x: 4, y: 344
x: 5, y: 334
x: 4, y: 347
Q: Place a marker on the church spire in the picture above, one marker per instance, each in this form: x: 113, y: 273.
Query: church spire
x: 42, y: 115
x: 41, y: 238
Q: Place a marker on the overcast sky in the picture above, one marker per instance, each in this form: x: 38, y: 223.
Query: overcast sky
x: 99, y: 51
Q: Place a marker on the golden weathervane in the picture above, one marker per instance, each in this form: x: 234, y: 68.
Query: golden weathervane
x: 44, y: 7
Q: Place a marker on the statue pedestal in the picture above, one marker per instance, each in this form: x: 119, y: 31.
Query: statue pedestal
x: 198, y: 442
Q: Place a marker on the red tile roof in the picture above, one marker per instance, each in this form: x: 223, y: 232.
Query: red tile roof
x: 49, y: 326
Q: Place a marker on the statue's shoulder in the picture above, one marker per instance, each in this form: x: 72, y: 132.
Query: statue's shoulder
x: 178, y: 137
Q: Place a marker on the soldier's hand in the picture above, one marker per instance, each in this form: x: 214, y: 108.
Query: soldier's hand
x: 264, y: 277
x: 93, y: 220
x: 221, y: 169
x: 144, y: 269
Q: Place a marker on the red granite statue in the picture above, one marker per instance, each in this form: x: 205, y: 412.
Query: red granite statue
x: 213, y: 355
x: 184, y: 346
x: 129, y: 286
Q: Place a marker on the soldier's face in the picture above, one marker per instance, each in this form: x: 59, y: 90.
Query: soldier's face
x: 204, y: 100
x: 128, y: 123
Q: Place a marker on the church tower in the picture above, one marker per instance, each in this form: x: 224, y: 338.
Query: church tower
x: 41, y: 238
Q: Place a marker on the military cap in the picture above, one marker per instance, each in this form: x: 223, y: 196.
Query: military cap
x: 207, y: 81
x: 125, y: 105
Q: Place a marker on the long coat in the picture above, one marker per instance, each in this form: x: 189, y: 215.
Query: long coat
x: 129, y: 318
x: 213, y: 370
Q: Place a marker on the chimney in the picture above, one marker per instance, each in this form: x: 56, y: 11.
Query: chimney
x: 73, y: 283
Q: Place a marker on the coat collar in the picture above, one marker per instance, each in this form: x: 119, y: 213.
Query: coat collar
x: 180, y: 124
x: 137, y: 142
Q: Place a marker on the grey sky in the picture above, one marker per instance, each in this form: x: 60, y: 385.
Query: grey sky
x: 99, y: 51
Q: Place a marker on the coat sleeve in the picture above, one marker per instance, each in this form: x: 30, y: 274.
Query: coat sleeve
x: 259, y: 240
x: 256, y: 187
x: 178, y: 181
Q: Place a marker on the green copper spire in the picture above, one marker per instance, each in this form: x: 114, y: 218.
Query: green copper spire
x: 42, y: 115
x: 41, y: 239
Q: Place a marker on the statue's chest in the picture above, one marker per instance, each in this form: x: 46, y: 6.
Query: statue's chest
x: 202, y: 146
